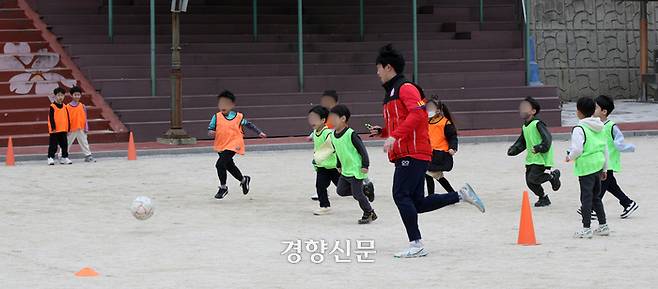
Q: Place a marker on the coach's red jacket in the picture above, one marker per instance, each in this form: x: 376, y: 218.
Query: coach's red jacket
x: 405, y: 119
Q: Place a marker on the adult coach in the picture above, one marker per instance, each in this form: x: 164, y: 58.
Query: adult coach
x: 408, y: 147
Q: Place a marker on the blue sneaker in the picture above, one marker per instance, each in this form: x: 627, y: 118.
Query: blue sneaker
x: 467, y: 194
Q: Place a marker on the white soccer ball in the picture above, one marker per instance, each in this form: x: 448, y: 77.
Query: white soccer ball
x: 142, y: 208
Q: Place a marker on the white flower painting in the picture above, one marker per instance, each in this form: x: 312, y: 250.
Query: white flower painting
x: 35, y: 69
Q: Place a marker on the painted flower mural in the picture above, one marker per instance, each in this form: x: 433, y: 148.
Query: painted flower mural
x: 35, y: 69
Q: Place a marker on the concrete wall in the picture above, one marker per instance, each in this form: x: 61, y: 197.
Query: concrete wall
x: 591, y: 47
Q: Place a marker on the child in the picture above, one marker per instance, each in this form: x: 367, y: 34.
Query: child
x: 352, y: 162
x: 443, y: 138
x: 226, y: 127
x: 326, y: 172
x: 79, y: 125
x: 615, y: 140
x: 58, y: 126
x: 589, y: 151
x: 537, y: 140
x: 328, y: 100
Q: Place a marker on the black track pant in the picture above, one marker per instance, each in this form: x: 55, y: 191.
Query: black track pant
x: 225, y: 163
x: 55, y: 139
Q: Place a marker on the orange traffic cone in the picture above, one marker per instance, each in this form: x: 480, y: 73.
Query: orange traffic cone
x: 86, y: 272
x: 9, y: 158
x: 526, y: 226
x: 132, y: 152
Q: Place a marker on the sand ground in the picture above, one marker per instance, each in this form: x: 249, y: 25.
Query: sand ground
x: 56, y: 220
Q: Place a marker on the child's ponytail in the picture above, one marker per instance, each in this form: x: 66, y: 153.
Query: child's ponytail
x: 443, y: 108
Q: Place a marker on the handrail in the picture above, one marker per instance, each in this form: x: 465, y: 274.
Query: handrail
x: 526, y: 41
x: 481, y: 12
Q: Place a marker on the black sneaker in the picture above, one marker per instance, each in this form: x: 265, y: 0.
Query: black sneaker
x: 222, y: 192
x: 369, y: 190
x: 543, y: 202
x: 592, y: 217
x: 368, y: 217
x: 555, y: 181
x: 629, y: 210
x: 245, y: 184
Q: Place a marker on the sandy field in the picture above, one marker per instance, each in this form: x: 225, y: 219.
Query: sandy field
x: 56, y: 220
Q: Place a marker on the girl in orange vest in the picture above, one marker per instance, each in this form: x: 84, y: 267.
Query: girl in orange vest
x: 58, y: 127
x: 226, y: 127
x: 443, y: 138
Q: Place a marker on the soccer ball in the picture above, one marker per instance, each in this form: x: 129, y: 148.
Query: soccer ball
x: 142, y: 208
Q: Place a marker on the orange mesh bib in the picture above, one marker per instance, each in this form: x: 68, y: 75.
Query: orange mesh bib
x: 228, y: 134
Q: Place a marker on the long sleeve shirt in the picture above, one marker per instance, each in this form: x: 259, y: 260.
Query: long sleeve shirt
x: 618, y: 139
x: 231, y: 115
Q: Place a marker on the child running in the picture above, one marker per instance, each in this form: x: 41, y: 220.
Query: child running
x: 226, y: 127
x: 443, y: 138
x: 328, y: 100
x: 352, y: 163
x: 589, y: 151
x: 616, y: 145
x: 326, y: 172
x: 537, y: 140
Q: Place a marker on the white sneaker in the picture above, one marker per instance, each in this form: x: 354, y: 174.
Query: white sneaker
x: 51, y: 162
x: 66, y: 161
x: 467, y: 194
x: 602, y: 230
x: 322, y: 211
x: 584, y: 233
x: 411, y: 252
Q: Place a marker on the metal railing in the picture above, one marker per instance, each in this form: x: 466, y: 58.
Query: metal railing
x: 526, y: 39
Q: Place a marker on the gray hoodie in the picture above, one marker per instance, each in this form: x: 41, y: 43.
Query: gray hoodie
x: 578, y: 139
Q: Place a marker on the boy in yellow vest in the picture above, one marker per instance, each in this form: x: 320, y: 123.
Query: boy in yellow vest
x: 328, y: 100
x: 325, y: 166
x: 616, y: 145
x: 226, y: 127
x: 58, y: 126
x: 589, y: 152
x: 79, y: 124
x: 537, y: 141
x: 352, y: 162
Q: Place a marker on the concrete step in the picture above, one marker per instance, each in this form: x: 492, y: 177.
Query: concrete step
x: 37, y: 127
x: 39, y: 114
x: 99, y: 136
x: 273, y: 111
x: 312, y: 97
x: 135, y: 87
x: 297, y: 126
x: 33, y: 101
x: 250, y: 70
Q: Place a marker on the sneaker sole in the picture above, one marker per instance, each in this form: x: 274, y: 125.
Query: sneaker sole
x: 245, y: 186
x: 557, y: 176
x: 422, y: 253
x: 222, y: 196
x: 476, y: 199
x: 630, y: 212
